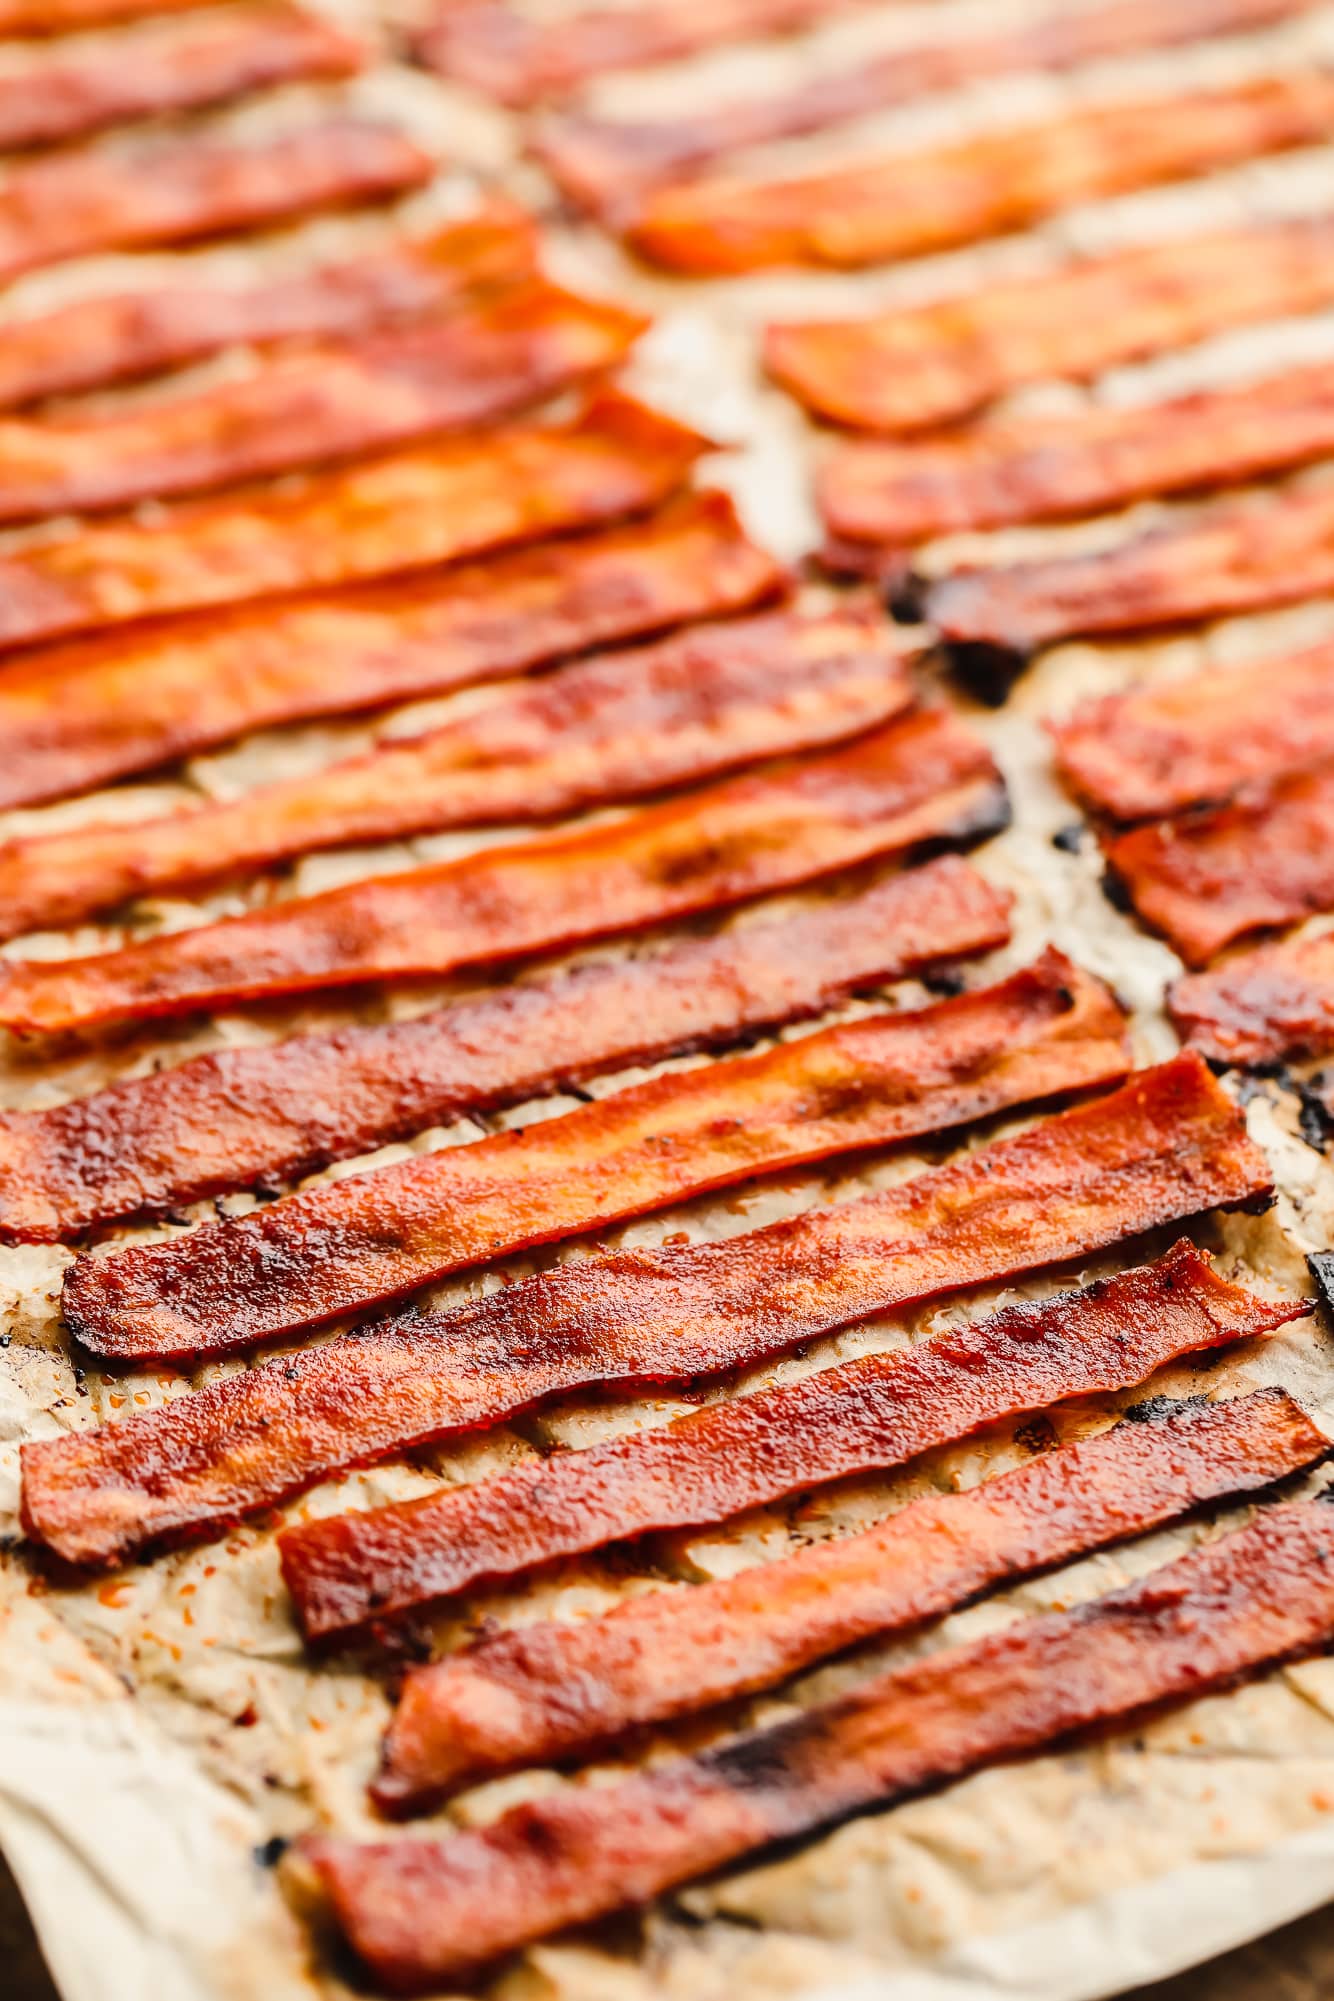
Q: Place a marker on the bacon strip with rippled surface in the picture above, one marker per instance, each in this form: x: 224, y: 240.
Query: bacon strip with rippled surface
x: 241, y: 1115
x: 1260, y: 1007
x: 422, y: 1912
x: 374, y: 1237
x: 547, y: 1692
x: 1170, y: 1144
x: 407, y: 511
x: 924, y: 780
x: 916, y: 367
x: 72, y: 204
x: 910, y: 203
x: 1265, y: 859
x: 312, y: 408
x: 612, y: 727
x: 173, y: 66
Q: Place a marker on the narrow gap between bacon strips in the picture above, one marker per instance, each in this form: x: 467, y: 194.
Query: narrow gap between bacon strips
x: 408, y: 510
x: 924, y: 780
x: 76, y: 715
x: 613, y: 727
x: 422, y: 1912
x: 1260, y: 1007
x: 1169, y: 1145
x: 918, y: 367
x: 373, y: 1237
x: 916, y: 201
x: 76, y: 202
x: 548, y: 1692
x: 385, y: 389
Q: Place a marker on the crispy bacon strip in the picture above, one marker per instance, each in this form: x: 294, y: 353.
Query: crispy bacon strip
x: 61, y: 17
x: 906, y: 204
x: 410, y: 510
x: 918, y: 367
x: 74, y: 716
x: 74, y: 203
x: 613, y: 727
x: 421, y: 1913
x: 1263, y: 860
x: 122, y: 335
x: 1169, y: 1144
x: 242, y: 1115
x: 305, y: 409
x: 170, y: 66
x: 376, y: 1236
x: 603, y: 163
x: 925, y: 779
x: 547, y: 1692
x: 1262, y: 1006
x: 1155, y: 750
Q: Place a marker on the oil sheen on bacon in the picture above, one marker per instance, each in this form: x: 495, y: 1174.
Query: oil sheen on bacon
x: 613, y: 727
x: 421, y: 1913
x: 547, y: 1692
x: 1169, y: 1145
x: 1045, y: 1031
x: 1262, y: 1006
x: 927, y: 779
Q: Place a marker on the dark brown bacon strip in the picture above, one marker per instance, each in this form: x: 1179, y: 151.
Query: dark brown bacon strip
x: 1266, y: 859
x: 1155, y: 750
x: 74, y: 203
x: 603, y: 163
x: 907, y: 204
x: 376, y: 1236
x: 408, y: 511
x: 1260, y: 1007
x: 122, y: 335
x: 171, y: 66
x: 1170, y: 1144
x: 921, y: 366
x: 421, y: 1913
x: 239, y: 1116
x: 926, y: 779
x: 545, y: 1693
x: 613, y: 727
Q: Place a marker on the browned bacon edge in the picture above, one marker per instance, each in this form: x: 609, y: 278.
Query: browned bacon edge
x: 547, y: 1692
x: 1262, y: 1007
x: 424, y: 1912
x: 63, y: 17
x: 369, y: 1238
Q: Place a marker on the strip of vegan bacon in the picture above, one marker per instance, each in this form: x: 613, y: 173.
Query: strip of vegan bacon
x: 171, y: 66
x: 547, y: 1692
x: 74, y: 716
x: 1170, y: 1144
x: 906, y: 204
x: 422, y: 1912
x: 920, y: 366
x: 71, y: 204
x: 1262, y: 1006
x: 243, y: 1115
x: 409, y: 510
x: 1263, y: 860
x: 373, y: 1237
x: 612, y: 727
x: 924, y: 780
x: 311, y: 408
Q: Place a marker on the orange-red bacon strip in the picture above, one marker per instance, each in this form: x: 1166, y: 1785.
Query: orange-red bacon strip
x: 1266, y: 859
x: 375, y: 1236
x: 420, y: 1913
x: 916, y: 367
x: 548, y: 1692
x: 120, y: 335
x: 305, y: 409
x: 243, y: 1115
x: 1168, y: 1145
x: 906, y: 204
x: 63, y: 17
x: 76, y: 715
x: 71, y: 204
x: 1260, y: 1007
x: 925, y: 779
x: 598, y: 730
x: 170, y: 66
x: 408, y: 511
